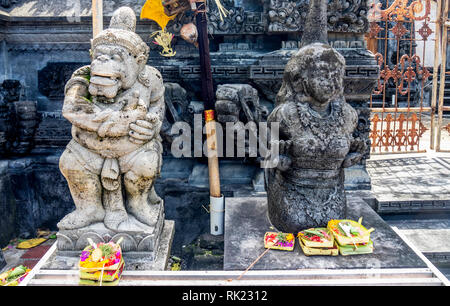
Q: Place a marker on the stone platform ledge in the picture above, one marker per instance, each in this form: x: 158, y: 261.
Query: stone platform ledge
x: 246, y: 221
x: 133, y: 260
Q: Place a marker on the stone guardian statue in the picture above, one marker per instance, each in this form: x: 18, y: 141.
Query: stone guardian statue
x: 306, y: 189
x: 116, y: 106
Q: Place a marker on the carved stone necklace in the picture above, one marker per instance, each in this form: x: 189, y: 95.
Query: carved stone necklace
x: 323, y: 128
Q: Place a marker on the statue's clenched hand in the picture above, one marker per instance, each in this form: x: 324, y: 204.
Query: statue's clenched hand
x: 143, y: 131
x: 357, y: 152
x: 283, y: 160
x: 117, y: 123
x: 358, y: 145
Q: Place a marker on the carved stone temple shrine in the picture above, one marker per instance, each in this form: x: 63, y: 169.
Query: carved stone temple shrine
x: 48, y: 57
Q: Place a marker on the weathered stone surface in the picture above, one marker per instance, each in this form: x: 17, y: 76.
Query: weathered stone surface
x: 2, y: 260
x: 357, y: 178
x: 186, y: 208
x: 289, y: 16
x: 205, y: 253
x: 239, y: 102
x: 116, y: 107
x: 43, y: 58
x: 8, y: 208
x: 139, y: 240
x: 11, y: 90
x: 18, y: 120
x: 316, y: 143
x: 25, y: 123
x: 315, y: 29
x: 245, y: 17
x: 42, y: 43
x: 246, y: 222
x: 37, y: 205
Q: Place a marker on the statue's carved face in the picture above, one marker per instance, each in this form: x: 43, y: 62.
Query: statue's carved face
x: 113, y: 68
x: 317, y: 71
x: 324, y: 82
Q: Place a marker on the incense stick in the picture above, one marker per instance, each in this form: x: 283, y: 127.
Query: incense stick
x: 253, y: 263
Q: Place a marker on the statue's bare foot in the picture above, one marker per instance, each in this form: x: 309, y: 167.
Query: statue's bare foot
x: 82, y: 218
x: 144, y: 212
x: 114, y: 218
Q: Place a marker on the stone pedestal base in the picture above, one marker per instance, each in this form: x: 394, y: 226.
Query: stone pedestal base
x: 137, y: 237
x: 246, y: 221
x: 144, y: 247
x: 357, y: 178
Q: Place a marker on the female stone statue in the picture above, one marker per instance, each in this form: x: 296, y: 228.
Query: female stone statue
x: 306, y: 189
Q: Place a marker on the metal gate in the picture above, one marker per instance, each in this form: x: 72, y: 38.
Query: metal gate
x: 401, y: 37
x: 443, y: 124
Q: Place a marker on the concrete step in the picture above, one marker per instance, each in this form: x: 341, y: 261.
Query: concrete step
x: 425, y: 275
x: 433, y: 243
x: 320, y: 277
x: 404, y: 204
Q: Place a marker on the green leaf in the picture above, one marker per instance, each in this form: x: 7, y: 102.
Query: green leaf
x: 313, y: 232
x: 354, y: 232
x: 18, y: 271
x: 86, y: 99
x: 106, y: 250
x: 175, y: 258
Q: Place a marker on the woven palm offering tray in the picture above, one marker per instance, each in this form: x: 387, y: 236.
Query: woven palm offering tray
x: 317, y: 241
x: 109, y: 277
x: 359, y: 248
x: 14, y: 276
x: 101, y: 264
x: 279, y: 241
x: 352, y: 237
x: 316, y: 237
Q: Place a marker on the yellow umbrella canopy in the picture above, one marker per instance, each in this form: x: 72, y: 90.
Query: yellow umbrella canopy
x: 154, y: 10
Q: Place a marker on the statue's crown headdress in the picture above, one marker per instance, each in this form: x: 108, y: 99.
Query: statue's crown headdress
x: 122, y: 32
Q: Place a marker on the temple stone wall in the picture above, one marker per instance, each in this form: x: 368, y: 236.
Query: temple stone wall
x: 43, y: 42
x: 21, y: 62
x: 8, y: 207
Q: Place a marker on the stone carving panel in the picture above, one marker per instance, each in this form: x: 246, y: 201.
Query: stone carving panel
x: 18, y: 120
x: 239, y: 104
x: 25, y: 124
x: 177, y: 110
x: 54, y: 76
x: 238, y: 21
x: 7, y: 3
x: 343, y: 16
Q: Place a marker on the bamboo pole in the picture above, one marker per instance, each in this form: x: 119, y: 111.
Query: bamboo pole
x: 208, y: 99
x: 97, y: 17
x: 442, y: 78
x: 213, y: 159
x: 437, y: 47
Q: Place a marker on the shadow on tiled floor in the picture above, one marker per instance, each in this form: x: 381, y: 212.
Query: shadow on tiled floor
x: 411, y: 178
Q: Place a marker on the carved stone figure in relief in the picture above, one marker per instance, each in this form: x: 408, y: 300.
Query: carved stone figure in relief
x: 306, y: 189
x: 116, y: 107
